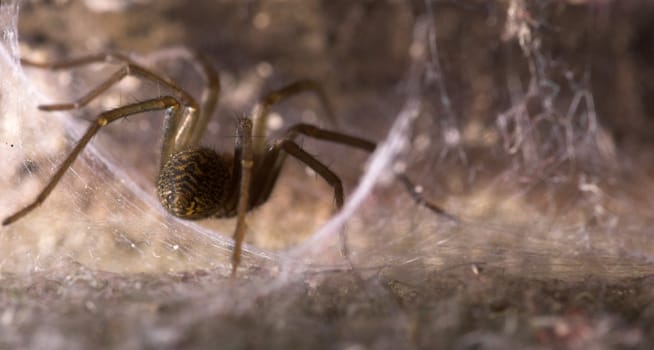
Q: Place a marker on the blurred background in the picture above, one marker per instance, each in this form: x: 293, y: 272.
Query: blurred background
x: 527, y: 120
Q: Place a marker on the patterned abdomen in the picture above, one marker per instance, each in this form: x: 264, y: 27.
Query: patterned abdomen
x: 193, y: 184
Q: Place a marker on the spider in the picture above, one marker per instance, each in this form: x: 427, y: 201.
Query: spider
x: 196, y: 182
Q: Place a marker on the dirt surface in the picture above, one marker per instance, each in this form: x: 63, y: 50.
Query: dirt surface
x: 457, y: 309
x: 535, y: 130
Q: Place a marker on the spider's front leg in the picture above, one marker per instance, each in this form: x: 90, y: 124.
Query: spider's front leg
x: 188, y: 132
x: 244, y: 147
x: 105, y: 118
x: 128, y: 68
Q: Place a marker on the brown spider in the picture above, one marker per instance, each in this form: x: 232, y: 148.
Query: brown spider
x: 196, y: 182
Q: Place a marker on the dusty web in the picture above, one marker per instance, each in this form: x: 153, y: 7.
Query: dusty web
x: 548, y: 136
x: 100, y: 216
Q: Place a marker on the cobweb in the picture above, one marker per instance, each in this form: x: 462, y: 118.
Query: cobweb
x: 102, y: 218
x: 522, y: 157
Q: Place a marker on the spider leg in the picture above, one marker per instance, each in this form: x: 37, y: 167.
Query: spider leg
x: 272, y: 164
x: 274, y: 155
x: 184, y: 130
x: 244, y: 144
x: 130, y: 68
x: 262, y: 108
x: 369, y: 146
x: 160, y: 103
x: 289, y: 146
x: 209, y: 98
x: 210, y: 91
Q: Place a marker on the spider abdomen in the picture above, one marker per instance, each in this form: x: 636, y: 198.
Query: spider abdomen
x: 193, y: 183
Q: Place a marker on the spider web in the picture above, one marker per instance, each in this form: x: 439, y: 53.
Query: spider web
x: 106, y: 218
x: 101, y: 217
x: 524, y: 158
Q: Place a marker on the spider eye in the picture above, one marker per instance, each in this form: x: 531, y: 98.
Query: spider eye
x: 193, y: 184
